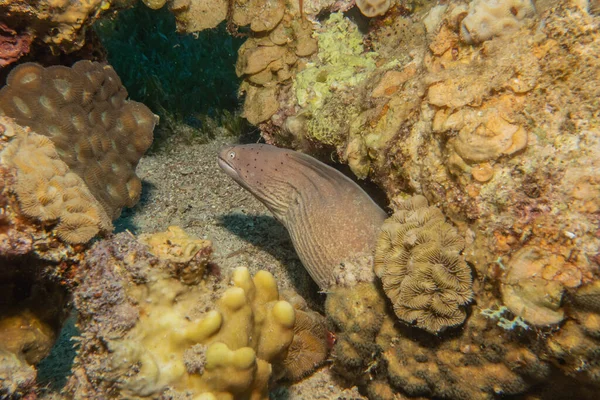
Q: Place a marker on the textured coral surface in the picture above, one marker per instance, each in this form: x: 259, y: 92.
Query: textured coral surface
x: 146, y: 332
x: 418, y: 260
x: 84, y: 111
x: 489, y: 111
x: 59, y: 24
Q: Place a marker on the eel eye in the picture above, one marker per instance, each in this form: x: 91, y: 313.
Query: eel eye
x: 232, y: 155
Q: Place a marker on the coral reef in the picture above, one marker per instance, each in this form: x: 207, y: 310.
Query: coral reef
x: 61, y: 25
x: 373, y: 8
x: 49, y: 191
x: 145, y: 333
x: 282, y: 45
x: 13, y: 44
x: 489, y: 18
x: 187, y: 257
x: 83, y: 110
x: 489, y: 111
x: 418, y: 260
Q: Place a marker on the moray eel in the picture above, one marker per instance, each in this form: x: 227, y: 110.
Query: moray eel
x: 330, y: 219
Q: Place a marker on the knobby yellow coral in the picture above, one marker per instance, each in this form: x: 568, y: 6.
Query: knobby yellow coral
x: 248, y: 331
x: 418, y: 260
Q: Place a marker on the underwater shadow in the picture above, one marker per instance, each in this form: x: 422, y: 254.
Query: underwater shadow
x: 125, y: 221
x: 266, y: 233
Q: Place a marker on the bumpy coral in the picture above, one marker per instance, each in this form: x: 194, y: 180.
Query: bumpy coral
x: 418, y: 260
x: 49, y: 191
x: 356, y: 313
x: 162, y: 334
x: 97, y: 132
x: 187, y: 256
x: 373, y: 8
x: 489, y: 18
x: 60, y: 24
x: 528, y: 289
x: 308, y: 349
x: 13, y: 44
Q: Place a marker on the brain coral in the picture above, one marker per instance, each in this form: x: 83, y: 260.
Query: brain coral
x: 84, y: 112
x: 49, y: 191
x: 418, y: 260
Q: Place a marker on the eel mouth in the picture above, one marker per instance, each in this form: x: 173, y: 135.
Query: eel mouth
x: 224, y: 164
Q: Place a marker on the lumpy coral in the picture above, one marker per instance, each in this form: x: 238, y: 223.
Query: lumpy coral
x: 489, y: 18
x: 162, y: 335
x: 418, y: 260
x: 187, y: 256
x: 59, y: 24
x: 373, y: 8
x: 84, y: 111
x: 49, y: 191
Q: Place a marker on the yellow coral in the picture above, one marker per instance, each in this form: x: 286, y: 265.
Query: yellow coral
x: 418, y: 260
x: 49, y: 191
x: 248, y: 331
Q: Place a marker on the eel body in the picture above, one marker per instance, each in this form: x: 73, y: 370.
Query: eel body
x: 330, y: 219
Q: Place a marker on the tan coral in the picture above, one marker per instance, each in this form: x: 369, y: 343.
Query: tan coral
x: 489, y: 18
x: 418, y: 260
x: 308, y: 349
x: 373, y: 8
x: 187, y: 256
x: 49, y: 191
x: 60, y: 24
x: 97, y: 133
x: 527, y: 291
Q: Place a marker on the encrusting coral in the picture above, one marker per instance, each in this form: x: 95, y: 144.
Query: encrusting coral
x: 145, y: 332
x: 489, y: 18
x: 59, y: 24
x: 418, y: 260
x: 373, y: 8
x: 83, y: 110
x: 187, y: 257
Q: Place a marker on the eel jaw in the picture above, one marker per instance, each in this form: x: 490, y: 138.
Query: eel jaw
x: 228, y: 169
x: 225, y: 165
